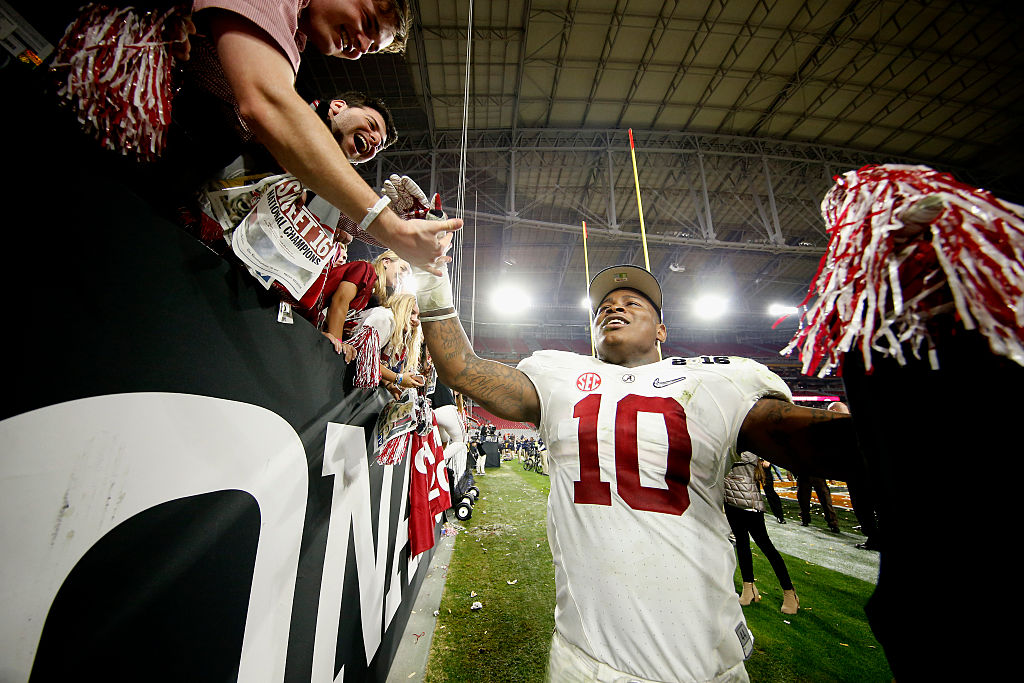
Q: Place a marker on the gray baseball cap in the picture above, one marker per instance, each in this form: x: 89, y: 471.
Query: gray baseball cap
x: 628, y: 277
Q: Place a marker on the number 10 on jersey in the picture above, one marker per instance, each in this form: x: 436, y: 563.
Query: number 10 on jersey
x: 591, y: 490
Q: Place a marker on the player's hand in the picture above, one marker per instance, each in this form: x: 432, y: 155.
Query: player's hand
x: 917, y: 218
x: 422, y: 243
x: 341, y: 347
x: 413, y: 381
x: 407, y: 199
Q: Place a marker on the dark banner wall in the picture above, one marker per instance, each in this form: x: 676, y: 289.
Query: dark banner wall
x: 185, y: 488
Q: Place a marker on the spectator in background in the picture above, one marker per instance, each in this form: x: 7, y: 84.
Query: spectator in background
x: 745, y: 511
x: 345, y: 321
x: 479, y: 457
x: 804, y: 484
x: 347, y: 289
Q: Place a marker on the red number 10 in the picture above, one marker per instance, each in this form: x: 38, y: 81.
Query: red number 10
x: 590, y: 490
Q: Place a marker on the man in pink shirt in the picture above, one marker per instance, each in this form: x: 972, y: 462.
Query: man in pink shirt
x: 247, y: 52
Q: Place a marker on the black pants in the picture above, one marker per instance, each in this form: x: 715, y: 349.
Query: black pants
x: 747, y: 524
x: 804, y: 484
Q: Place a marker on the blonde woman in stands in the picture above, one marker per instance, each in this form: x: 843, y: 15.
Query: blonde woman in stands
x: 389, y: 340
x: 347, y: 290
x: 391, y: 273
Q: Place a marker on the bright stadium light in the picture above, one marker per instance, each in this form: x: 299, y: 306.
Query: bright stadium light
x: 510, y: 299
x: 781, y: 309
x: 710, y: 306
x: 585, y: 302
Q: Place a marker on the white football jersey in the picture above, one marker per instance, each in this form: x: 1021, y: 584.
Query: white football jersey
x: 643, y: 564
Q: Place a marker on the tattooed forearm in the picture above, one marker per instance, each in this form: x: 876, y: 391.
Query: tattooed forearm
x: 503, y: 390
x: 805, y: 440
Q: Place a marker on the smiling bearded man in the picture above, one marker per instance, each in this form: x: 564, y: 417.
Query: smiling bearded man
x: 362, y: 125
x: 638, y: 450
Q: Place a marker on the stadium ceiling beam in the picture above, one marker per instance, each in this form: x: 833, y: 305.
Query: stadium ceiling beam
x: 421, y: 64
x: 824, y: 119
x: 647, y: 142
x: 620, y: 237
x: 563, y: 50
x: 844, y: 25
x: 453, y: 33
x: 724, y: 27
x: 521, y: 63
x: 661, y: 25
x: 614, y: 24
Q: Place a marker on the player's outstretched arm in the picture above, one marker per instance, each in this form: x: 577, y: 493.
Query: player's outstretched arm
x: 502, y: 390
x: 805, y: 440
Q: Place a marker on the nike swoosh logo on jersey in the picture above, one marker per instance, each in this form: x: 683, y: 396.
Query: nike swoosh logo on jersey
x: 658, y: 383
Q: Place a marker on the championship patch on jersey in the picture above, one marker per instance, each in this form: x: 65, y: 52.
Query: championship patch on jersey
x: 588, y: 381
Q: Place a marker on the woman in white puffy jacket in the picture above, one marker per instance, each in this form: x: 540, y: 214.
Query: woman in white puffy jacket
x: 744, y: 509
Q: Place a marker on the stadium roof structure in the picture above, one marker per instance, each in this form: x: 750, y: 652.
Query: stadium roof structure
x: 741, y: 111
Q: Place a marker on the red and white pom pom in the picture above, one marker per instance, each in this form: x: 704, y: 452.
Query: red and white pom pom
x: 394, y: 450
x: 875, y: 294
x: 114, y: 68
x: 367, y: 342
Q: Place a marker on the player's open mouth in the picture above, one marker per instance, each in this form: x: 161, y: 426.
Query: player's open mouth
x: 614, y: 322
x: 362, y: 146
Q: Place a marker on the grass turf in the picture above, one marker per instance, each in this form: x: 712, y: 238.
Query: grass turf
x: 827, y: 640
x: 505, y: 540
x: 508, y: 639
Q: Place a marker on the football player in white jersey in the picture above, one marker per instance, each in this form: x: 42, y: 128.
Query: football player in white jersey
x: 638, y: 449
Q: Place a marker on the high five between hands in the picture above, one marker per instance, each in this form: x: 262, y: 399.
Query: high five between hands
x: 410, y: 202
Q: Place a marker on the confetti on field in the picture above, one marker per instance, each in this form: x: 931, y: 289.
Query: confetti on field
x: 472, y: 594
x: 512, y: 582
x: 476, y: 606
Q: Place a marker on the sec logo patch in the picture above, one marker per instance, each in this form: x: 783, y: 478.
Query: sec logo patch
x: 588, y: 381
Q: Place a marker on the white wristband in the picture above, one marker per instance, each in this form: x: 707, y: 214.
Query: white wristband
x: 373, y: 212
x: 433, y: 294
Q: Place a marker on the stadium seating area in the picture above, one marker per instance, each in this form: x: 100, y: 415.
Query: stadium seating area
x: 484, y: 417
